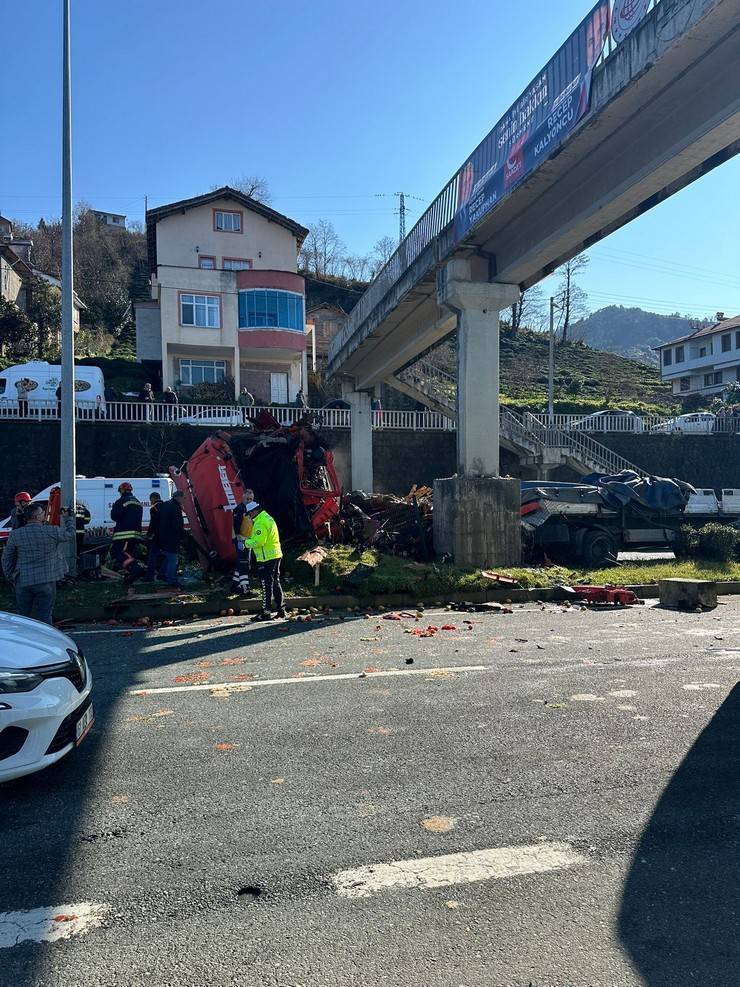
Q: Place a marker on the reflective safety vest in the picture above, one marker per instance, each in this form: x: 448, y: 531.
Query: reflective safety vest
x: 265, y: 538
x: 126, y: 513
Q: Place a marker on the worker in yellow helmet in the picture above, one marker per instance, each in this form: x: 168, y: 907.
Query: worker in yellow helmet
x: 264, y: 542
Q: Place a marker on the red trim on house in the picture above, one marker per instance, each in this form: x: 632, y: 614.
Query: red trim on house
x: 271, y: 279
x: 243, y: 260
x: 202, y: 294
x: 202, y: 257
x: 231, y: 212
x: 271, y: 339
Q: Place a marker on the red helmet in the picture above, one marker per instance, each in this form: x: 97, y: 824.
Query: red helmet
x: 125, y: 487
x: 23, y: 497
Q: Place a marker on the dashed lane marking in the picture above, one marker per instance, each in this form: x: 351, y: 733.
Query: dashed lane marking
x: 306, y: 679
x: 49, y: 924
x: 456, y: 868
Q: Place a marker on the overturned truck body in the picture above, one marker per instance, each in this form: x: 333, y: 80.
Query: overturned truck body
x: 289, y: 469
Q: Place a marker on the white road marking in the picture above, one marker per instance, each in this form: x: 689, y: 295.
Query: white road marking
x: 623, y: 693
x: 456, y: 868
x: 700, y: 686
x: 247, y: 686
x: 49, y: 924
x: 587, y: 697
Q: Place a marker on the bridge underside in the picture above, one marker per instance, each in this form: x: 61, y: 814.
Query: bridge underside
x: 665, y: 111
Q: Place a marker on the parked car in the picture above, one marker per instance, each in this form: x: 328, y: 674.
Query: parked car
x: 613, y: 420
x: 44, y: 379
x: 45, y: 696
x: 219, y: 417
x: 702, y: 421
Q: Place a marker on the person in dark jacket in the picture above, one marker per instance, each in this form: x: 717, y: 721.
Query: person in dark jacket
x: 152, y: 536
x: 126, y: 515
x: 171, y: 530
x: 146, y: 396
x: 170, y: 398
x: 17, y: 515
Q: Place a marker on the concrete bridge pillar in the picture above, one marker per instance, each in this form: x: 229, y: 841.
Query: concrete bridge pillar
x: 361, y: 436
x: 476, y: 513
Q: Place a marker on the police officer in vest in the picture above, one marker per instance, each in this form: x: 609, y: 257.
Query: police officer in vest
x: 264, y: 542
x: 126, y: 513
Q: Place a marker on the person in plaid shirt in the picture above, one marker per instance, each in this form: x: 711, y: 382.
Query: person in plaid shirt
x: 32, y: 560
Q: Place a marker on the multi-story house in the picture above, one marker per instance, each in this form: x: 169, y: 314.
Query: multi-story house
x: 705, y: 361
x: 116, y: 220
x: 227, y: 301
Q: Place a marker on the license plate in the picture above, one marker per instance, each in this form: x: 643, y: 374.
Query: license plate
x: 84, y: 723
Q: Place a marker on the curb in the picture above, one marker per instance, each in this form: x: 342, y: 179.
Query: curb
x: 167, y: 610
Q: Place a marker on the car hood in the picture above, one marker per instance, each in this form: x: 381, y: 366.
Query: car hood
x: 28, y: 643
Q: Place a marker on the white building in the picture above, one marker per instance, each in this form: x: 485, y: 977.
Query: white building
x: 114, y: 219
x: 705, y: 361
x: 227, y: 301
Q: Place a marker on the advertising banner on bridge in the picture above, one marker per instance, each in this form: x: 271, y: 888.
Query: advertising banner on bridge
x: 535, y: 125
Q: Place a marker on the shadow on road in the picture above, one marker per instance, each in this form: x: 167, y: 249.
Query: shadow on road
x: 46, y: 819
x: 679, y: 919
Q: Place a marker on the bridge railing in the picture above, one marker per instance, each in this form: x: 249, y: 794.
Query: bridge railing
x: 430, y: 224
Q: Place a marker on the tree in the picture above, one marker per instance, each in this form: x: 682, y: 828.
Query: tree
x: 571, y: 299
x: 529, y: 311
x: 382, y: 252
x: 255, y: 186
x: 357, y: 267
x: 44, y: 311
x: 323, y: 250
x: 16, y: 331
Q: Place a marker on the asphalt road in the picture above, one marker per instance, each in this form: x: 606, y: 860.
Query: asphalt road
x: 564, y: 815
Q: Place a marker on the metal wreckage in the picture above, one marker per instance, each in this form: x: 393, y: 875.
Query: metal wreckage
x: 291, y: 471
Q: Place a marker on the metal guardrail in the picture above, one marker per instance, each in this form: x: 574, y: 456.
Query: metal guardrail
x: 432, y: 222
x: 224, y: 416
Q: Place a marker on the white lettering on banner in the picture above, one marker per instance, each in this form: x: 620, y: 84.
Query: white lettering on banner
x: 225, y: 483
x: 627, y: 15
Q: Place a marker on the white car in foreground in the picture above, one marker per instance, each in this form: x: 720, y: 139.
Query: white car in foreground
x: 45, y: 703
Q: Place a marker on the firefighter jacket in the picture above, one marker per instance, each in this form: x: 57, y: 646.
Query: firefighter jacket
x: 126, y: 514
x: 242, y: 522
x: 265, y: 539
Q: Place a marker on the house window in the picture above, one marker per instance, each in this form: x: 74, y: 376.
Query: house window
x: 227, y: 222
x: 726, y: 343
x: 206, y: 263
x: 203, y: 311
x: 264, y: 309
x: 202, y: 371
x: 737, y: 340
x: 679, y: 354
x: 685, y: 383
x: 711, y: 380
x: 667, y: 358
x: 702, y: 351
x: 237, y: 264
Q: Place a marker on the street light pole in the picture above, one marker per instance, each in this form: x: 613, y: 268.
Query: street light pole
x: 551, y: 366
x: 67, y: 424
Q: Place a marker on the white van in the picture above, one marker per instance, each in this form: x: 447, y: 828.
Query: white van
x: 98, y: 494
x: 45, y: 379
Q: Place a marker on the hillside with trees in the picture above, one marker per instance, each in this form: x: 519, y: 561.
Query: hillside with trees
x: 631, y: 332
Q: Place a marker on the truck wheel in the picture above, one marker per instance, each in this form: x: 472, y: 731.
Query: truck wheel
x: 599, y: 549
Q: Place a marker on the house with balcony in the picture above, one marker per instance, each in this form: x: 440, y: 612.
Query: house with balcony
x: 226, y: 301
x: 705, y: 361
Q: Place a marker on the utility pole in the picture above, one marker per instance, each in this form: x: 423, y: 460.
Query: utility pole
x: 551, y: 367
x: 67, y: 424
x: 401, y: 216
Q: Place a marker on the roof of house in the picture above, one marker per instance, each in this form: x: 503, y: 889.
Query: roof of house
x: 153, y: 216
x: 336, y: 309
x: 50, y: 279
x: 723, y: 326
x: 23, y: 269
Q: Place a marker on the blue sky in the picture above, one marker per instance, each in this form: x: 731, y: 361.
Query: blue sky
x: 338, y: 104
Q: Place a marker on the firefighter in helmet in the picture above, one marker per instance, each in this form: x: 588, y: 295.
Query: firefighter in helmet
x: 21, y: 502
x: 126, y: 513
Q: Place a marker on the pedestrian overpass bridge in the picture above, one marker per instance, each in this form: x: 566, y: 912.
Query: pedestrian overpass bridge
x: 623, y: 116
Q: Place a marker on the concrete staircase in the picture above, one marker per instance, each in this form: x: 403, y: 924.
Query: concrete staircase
x: 538, y: 445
